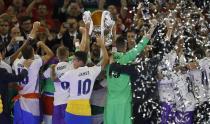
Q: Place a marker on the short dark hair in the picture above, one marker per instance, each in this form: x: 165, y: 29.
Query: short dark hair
x: 82, y: 56
x: 121, y: 42
x: 27, y: 52
x: 25, y: 18
x: 72, y: 18
x: 62, y: 52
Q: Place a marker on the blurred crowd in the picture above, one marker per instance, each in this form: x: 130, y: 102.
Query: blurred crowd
x: 59, y: 16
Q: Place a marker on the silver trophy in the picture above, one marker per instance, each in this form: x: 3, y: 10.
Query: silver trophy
x: 100, y: 23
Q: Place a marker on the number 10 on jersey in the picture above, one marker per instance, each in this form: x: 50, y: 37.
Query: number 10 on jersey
x: 84, y: 87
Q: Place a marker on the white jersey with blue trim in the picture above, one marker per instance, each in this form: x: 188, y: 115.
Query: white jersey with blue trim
x: 30, y: 83
x: 199, y: 85
x: 165, y: 88
x: 205, y: 67
x: 62, y: 89
x: 61, y: 93
x: 81, y: 81
x: 184, y: 98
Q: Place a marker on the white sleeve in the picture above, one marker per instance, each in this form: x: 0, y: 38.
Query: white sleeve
x: 9, y: 68
x: 65, y: 76
x: 47, y: 73
x: 38, y: 61
x: 200, y: 62
x: 15, y: 64
x: 7, y: 60
x: 6, y: 66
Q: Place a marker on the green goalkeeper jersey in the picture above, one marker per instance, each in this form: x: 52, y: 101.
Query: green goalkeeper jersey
x: 118, y: 107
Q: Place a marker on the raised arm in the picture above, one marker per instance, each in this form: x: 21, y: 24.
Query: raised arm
x: 17, y: 53
x: 124, y: 9
x: 31, y: 6
x: 105, y: 59
x: 32, y: 35
x: 53, y: 73
x: 49, y: 54
x: 85, y: 39
x: 133, y: 53
x: 170, y: 27
x: 153, y: 25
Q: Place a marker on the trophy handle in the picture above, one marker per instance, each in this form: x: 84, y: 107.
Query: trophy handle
x: 88, y: 20
x: 107, y: 23
x: 100, y: 22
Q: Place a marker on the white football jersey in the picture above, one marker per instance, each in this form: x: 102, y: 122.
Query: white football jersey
x: 61, y: 93
x: 165, y: 88
x: 30, y: 83
x: 81, y: 81
x: 205, y: 66
x: 5, y: 66
x: 199, y: 85
x: 168, y: 61
x: 185, y: 101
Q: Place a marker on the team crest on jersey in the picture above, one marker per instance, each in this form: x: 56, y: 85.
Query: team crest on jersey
x: 115, y: 74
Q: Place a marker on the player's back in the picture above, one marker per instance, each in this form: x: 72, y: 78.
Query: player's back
x: 165, y: 87
x: 81, y: 81
x: 30, y: 83
x: 61, y: 93
x: 205, y: 66
x: 183, y: 96
x: 27, y: 101
x: 199, y: 84
x: 118, y: 87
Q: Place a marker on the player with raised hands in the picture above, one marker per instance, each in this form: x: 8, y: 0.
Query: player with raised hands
x: 27, y: 107
x: 81, y: 80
